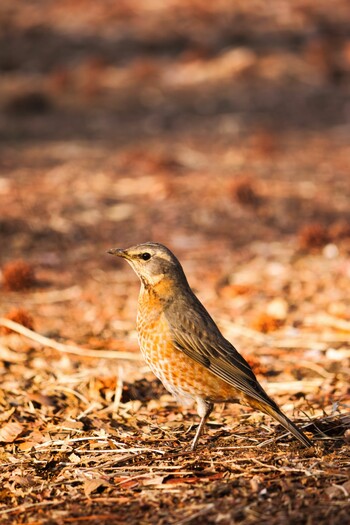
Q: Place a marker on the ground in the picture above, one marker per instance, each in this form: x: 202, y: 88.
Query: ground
x: 221, y: 131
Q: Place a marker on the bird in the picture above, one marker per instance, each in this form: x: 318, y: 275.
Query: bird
x: 184, y: 347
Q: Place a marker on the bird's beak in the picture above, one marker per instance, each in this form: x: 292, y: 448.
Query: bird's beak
x: 118, y: 252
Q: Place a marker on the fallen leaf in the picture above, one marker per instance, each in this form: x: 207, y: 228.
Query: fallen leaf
x: 155, y: 480
x: 74, y: 458
x: 7, y: 414
x: 9, y: 432
x: 90, y: 485
x: 177, y: 481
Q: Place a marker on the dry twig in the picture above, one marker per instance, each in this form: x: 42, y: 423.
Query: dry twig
x: 68, y: 349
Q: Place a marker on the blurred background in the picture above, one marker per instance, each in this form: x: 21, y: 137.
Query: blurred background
x: 220, y: 129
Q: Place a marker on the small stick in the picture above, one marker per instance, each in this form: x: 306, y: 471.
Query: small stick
x: 53, y: 296
x: 328, y: 320
x: 118, y: 393
x: 69, y: 349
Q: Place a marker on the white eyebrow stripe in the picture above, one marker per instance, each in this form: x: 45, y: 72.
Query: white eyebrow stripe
x: 164, y: 256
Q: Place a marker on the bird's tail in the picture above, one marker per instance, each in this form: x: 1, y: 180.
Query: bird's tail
x: 273, y: 410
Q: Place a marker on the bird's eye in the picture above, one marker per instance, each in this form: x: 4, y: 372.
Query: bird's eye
x: 145, y: 256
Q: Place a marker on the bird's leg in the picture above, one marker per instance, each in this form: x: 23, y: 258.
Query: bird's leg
x: 204, y: 409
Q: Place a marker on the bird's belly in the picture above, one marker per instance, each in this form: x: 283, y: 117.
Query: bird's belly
x: 181, y: 375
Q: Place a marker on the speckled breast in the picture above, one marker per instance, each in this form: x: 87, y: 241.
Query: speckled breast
x: 156, y: 345
x: 181, y: 375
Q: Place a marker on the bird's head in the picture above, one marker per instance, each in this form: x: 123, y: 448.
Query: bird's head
x: 152, y: 262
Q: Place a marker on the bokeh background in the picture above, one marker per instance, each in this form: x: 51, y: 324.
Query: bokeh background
x: 220, y: 129
x: 134, y: 120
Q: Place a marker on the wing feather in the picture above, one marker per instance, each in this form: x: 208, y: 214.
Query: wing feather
x: 195, y: 333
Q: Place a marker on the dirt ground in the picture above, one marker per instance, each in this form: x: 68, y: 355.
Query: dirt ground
x: 221, y: 131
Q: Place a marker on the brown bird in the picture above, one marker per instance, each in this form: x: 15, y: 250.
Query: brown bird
x: 183, y: 346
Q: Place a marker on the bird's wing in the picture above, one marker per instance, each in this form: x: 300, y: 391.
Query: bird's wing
x: 195, y: 333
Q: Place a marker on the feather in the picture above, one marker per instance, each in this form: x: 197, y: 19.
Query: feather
x: 195, y: 333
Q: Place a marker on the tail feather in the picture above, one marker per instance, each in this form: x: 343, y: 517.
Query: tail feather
x: 288, y: 425
x: 273, y: 410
